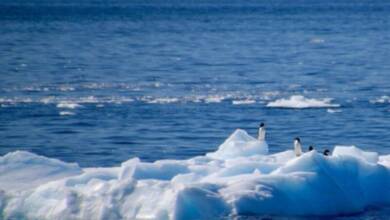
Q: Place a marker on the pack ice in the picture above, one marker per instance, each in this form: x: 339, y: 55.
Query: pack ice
x: 240, y: 178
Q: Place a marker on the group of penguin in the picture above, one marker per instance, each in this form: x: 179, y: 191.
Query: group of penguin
x: 297, y: 142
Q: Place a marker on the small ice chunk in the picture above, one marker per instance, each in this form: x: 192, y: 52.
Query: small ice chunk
x: 66, y: 113
x: 331, y: 111
x: 243, y: 102
x: 68, y: 104
x: 299, y: 101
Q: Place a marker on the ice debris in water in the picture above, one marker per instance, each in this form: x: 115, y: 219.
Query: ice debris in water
x: 299, y: 101
x: 381, y: 100
x: 240, y: 178
x: 243, y: 102
x: 68, y: 104
x: 66, y: 113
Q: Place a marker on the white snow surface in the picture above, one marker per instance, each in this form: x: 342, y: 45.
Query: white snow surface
x: 299, y: 101
x: 240, y: 178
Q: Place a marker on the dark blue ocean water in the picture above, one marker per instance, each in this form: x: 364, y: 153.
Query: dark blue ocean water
x: 97, y: 83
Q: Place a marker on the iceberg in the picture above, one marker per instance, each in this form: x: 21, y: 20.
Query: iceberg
x: 240, y: 178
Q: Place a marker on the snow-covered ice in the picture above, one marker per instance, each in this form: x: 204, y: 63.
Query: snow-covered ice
x: 299, y: 101
x: 239, y: 178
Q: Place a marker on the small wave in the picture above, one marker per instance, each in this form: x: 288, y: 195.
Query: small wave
x: 66, y: 113
x: 67, y: 104
x: 243, y: 102
x: 317, y: 40
x: 161, y: 100
x: 269, y: 95
x: 214, y: 99
x: 13, y: 101
x: 381, y: 100
x: 299, y: 101
x: 331, y: 111
x: 235, y: 98
x: 64, y: 88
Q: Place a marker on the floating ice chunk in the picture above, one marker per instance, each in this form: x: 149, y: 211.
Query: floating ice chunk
x: 243, y: 102
x: 331, y: 111
x: 299, y: 101
x: 66, y: 113
x: 68, y: 104
x: 66, y: 88
x: 162, y: 100
x: 371, y: 157
x: 317, y: 40
x: 214, y: 99
x: 240, y: 144
x: 381, y: 100
x: 22, y: 170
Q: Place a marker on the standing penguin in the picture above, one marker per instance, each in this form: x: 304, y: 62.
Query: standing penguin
x: 297, y: 147
x: 261, y: 132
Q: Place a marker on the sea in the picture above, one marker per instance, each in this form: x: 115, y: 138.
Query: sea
x: 98, y: 82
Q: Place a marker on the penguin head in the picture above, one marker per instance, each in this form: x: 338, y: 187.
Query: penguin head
x: 311, y: 148
x: 262, y: 125
x: 297, y: 139
x: 326, y: 152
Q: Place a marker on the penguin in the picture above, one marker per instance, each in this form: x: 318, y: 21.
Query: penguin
x: 297, y: 147
x: 261, y: 132
x: 311, y: 148
x: 327, y: 152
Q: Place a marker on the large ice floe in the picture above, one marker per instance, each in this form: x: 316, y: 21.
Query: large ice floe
x: 240, y: 178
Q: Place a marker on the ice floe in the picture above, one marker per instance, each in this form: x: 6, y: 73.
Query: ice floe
x: 239, y: 178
